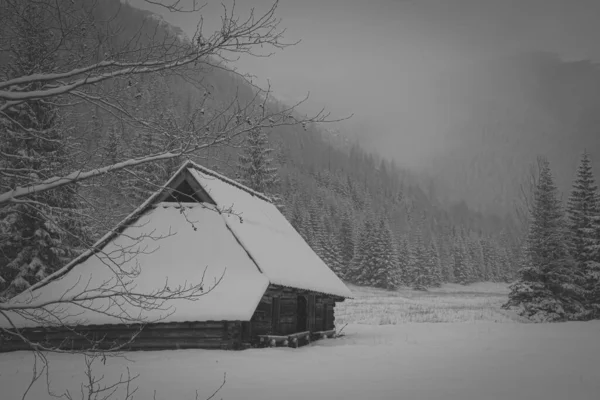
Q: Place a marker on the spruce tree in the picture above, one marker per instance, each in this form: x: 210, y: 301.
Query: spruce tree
x: 42, y: 233
x: 316, y: 223
x: 255, y: 166
x: 420, y: 276
x: 460, y: 267
x: 380, y: 261
x: 583, y: 210
x: 478, y: 256
x: 404, y: 261
x: 434, y: 268
x: 582, y: 207
x: 346, y: 238
x: 504, y: 259
x: 363, y: 254
x: 385, y: 271
x: 144, y: 180
x: 549, y: 284
x: 332, y: 256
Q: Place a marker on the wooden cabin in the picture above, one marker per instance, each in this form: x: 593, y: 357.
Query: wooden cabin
x: 264, y: 286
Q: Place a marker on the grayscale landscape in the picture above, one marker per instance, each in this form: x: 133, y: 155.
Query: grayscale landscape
x: 395, y: 199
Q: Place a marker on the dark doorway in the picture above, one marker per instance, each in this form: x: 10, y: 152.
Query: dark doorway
x: 301, y: 313
x: 275, y: 316
x: 246, y: 332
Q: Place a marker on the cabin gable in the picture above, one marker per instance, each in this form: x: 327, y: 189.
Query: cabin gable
x: 290, y: 292
x: 184, y: 189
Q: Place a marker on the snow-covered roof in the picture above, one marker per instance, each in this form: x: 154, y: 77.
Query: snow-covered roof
x: 245, y: 237
x: 277, y: 248
x: 167, y: 249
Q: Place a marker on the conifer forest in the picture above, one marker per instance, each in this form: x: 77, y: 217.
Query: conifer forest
x: 365, y: 180
x: 372, y: 220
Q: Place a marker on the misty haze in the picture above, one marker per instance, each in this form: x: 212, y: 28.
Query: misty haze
x: 337, y: 199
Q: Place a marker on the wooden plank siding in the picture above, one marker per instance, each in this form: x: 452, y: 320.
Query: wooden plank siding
x: 276, y: 314
x: 179, y: 335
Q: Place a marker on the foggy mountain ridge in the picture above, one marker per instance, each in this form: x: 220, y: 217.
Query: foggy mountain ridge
x: 500, y: 114
x: 319, y: 147
x: 497, y: 115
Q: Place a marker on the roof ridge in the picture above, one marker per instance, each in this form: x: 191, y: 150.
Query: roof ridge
x: 229, y: 181
x: 107, y: 237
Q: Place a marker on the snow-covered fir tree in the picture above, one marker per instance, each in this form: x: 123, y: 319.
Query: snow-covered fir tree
x: 256, y: 166
x: 154, y: 107
x: 46, y: 230
x: 363, y: 253
x: 460, y: 263
x: 346, y: 238
x: 582, y: 209
x: 419, y: 269
x: 378, y: 262
x: 433, y: 265
x: 478, y: 258
x: 316, y: 226
x: 385, y: 271
x: 549, y: 287
x: 405, y: 261
x: 332, y: 255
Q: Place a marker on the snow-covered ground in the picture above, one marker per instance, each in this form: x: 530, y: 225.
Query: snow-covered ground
x: 479, y: 302
x: 429, y: 360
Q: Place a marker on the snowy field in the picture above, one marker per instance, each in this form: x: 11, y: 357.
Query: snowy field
x: 495, y: 358
x: 479, y: 302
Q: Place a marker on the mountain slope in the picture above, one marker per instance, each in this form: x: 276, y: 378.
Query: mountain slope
x: 500, y: 114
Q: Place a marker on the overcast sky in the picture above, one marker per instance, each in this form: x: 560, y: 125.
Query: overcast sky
x: 377, y: 58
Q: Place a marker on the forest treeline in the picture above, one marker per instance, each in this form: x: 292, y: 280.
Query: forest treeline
x: 373, y: 222
x: 559, y: 273
x: 370, y: 220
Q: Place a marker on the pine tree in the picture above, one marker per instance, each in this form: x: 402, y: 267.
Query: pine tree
x: 433, y: 263
x: 478, y: 256
x: 144, y: 180
x: 364, y: 251
x: 316, y: 224
x: 461, y: 272
x: 332, y: 256
x: 255, y: 165
x: 112, y: 148
x: 379, y: 262
x: 549, y: 284
x: 505, y: 259
x: 420, y: 276
x: 404, y: 261
x: 385, y: 273
x: 584, y: 223
x: 582, y: 207
x: 39, y: 236
x: 346, y: 238
x: 445, y: 254
x: 583, y: 211
x: 300, y: 220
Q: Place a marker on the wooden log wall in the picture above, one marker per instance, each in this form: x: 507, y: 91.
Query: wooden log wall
x: 180, y: 335
x: 288, y: 314
x: 277, y: 312
x: 324, y: 315
x: 262, y: 319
